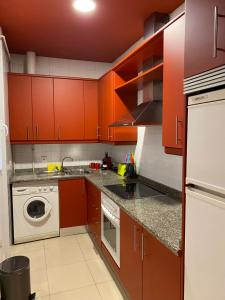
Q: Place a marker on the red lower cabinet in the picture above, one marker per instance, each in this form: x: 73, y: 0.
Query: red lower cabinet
x: 130, y: 256
x: 148, y: 270
x: 73, y: 203
x: 94, y: 211
x: 161, y: 271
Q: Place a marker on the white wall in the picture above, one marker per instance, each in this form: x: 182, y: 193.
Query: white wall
x: 60, y: 67
x: 6, y: 158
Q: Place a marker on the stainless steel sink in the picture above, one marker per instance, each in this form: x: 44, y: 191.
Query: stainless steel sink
x: 66, y: 172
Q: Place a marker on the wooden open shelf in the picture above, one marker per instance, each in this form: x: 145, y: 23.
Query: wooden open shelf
x: 155, y: 73
x: 130, y: 65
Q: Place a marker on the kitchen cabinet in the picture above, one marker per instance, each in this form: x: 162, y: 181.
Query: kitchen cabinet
x: 161, y: 271
x: 43, y: 109
x: 106, y: 107
x: 91, y: 110
x: 69, y: 109
x: 130, y: 256
x: 204, y: 36
x: 173, y: 97
x: 94, y: 211
x: 73, y: 203
x: 111, y: 108
x: 20, y: 108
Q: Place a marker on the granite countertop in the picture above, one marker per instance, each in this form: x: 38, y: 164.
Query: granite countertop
x: 160, y: 215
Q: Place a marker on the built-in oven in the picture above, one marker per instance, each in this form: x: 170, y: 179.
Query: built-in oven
x: 110, y: 227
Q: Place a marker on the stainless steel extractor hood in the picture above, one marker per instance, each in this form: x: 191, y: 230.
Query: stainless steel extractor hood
x: 146, y: 114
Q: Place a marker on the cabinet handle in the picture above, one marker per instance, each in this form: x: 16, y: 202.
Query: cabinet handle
x: 142, y: 246
x: 109, y: 136
x: 177, y: 130
x: 135, y: 238
x: 97, y: 131
x: 215, y: 31
x: 59, y: 133
x: 37, y: 132
x: 28, y: 135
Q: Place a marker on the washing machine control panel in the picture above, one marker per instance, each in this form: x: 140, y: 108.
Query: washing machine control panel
x: 34, y: 188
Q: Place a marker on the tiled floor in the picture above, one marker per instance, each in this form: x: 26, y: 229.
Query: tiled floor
x: 68, y: 268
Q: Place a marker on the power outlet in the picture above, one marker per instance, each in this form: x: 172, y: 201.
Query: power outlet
x: 44, y: 159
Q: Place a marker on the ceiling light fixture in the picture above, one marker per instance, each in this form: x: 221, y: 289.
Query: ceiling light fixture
x: 84, y: 5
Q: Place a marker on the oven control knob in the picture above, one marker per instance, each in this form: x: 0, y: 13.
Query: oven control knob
x: 51, y: 188
x: 45, y: 189
x: 39, y: 189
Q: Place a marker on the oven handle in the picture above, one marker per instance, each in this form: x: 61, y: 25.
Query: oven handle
x: 112, y: 218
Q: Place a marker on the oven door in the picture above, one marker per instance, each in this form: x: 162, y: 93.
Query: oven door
x: 110, y: 234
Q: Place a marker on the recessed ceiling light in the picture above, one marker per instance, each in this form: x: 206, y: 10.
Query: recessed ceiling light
x: 84, y: 5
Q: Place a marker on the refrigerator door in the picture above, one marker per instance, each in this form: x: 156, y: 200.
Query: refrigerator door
x: 206, y: 141
x: 204, y: 246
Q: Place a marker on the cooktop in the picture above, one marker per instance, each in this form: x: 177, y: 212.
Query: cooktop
x: 131, y: 190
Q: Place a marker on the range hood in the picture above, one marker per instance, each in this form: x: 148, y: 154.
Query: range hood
x: 146, y: 114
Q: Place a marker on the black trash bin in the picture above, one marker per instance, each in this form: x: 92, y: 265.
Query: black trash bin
x: 15, y: 279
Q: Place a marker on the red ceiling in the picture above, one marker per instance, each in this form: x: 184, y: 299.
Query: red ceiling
x: 53, y: 28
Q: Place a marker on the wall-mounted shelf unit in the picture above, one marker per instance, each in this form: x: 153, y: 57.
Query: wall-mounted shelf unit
x: 134, y: 84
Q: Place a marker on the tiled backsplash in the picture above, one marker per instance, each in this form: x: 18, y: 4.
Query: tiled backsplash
x: 81, y: 153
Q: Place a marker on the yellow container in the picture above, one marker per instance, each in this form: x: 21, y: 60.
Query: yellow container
x: 122, y: 169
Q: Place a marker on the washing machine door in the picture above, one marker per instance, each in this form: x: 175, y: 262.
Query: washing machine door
x: 37, y: 209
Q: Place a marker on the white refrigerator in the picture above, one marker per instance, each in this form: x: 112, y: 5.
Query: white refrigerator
x: 205, y: 198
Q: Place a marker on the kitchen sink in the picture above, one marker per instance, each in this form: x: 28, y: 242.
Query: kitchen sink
x: 66, y: 172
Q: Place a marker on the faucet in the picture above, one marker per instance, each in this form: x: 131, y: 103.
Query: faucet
x: 67, y: 157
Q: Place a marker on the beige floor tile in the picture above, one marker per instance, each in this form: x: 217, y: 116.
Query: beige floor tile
x: 60, y: 241
x: 69, y: 277
x: 99, y: 271
x: 87, y: 247
x: 36, y: 256
x: 63, y: 254
x: 26, y: 247
x: 43, y: 298
x: 109, y: 291
x: 39, y: 283
x: 86, y: 293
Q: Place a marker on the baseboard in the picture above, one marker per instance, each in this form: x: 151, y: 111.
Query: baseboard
x: 73, y: 230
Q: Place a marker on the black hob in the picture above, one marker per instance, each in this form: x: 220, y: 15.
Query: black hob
x: 132, y: 190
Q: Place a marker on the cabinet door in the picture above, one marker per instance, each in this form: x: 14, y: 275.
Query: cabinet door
x: 20, y: 108
x: 43, y: 108
x: 130, y: 256
x: 173, y: 75
x: 73, y: 203
x: 94, y: 211
x: 106, y: 107
x: 69, y: 109
x: 91, y: 109
x: 201, y: 36
x: 161, y: 271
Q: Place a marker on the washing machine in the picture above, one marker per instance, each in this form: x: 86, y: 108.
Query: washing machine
x: 35, y: 211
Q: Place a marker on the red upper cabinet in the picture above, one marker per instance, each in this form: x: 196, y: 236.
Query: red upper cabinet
x: 111, y: 108
x: 43, y: 108
x: 205, y: 32
x: 73, y: 203
x: 20, y: 108
x: 130, y: 256
x: 106, y: 107
x: 69, y: 109
x: 161, y: 271
x: 173, y: 76
x: 91, y: 109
